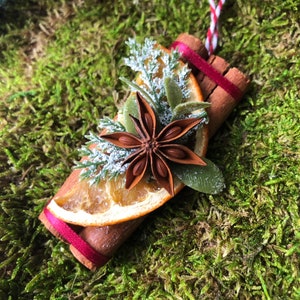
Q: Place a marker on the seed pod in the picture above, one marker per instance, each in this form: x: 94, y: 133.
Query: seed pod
x: 161, y: 168
x: 139, y: 167
x: 148, y: 122
x: 172, y: 132
x: 122, y: 139
x: 175, y: 153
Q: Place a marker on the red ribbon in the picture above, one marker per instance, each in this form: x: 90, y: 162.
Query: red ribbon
x: 74, y: 239
x: 203, y: 66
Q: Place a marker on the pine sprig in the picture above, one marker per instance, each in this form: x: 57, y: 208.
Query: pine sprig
x: 104, y: 159
x: 110, y: 125
x: 143, y: 59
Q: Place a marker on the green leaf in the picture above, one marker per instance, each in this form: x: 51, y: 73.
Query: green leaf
x: 189, y: 107
x: 173, y: 92
x: 206, y: 179
x: 130, y: 108
x: 137, y: 88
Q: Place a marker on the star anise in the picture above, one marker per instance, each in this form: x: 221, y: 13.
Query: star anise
x: 154, y: 149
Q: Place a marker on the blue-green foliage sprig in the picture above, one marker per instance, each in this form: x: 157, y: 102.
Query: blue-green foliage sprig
x: 104, y: 159
x: 143, y: 58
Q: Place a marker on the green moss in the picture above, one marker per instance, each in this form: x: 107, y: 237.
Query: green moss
x: 243, y: 243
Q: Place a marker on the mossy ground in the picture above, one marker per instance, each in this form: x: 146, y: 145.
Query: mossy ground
x: 59, y: 67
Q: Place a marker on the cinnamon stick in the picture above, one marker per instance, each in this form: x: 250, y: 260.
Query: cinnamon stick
x: 106, y: 240
x: 221, y: 102
x: 207, y: 84
x: 194, y: 43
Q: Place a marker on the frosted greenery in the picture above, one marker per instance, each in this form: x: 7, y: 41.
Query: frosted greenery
x: 143, y: 59
x: 105, y: 159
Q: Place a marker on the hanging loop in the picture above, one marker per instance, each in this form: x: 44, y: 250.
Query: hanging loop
x: 212, y: 33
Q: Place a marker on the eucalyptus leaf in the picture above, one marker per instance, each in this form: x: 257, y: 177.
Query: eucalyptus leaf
x: 130, y: 107
x: 189, y: 107
x: 173, y: 92
x: 138, y: 88
x: 206, y: 179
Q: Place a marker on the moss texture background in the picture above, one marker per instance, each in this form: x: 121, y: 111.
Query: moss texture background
x: 59, y: 67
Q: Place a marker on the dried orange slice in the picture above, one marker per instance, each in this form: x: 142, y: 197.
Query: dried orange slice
x: 108, y: 202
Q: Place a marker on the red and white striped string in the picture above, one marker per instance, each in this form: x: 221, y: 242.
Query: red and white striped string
x: 212, y: 33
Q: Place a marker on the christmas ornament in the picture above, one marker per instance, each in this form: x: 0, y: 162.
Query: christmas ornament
x: 153, y: 148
